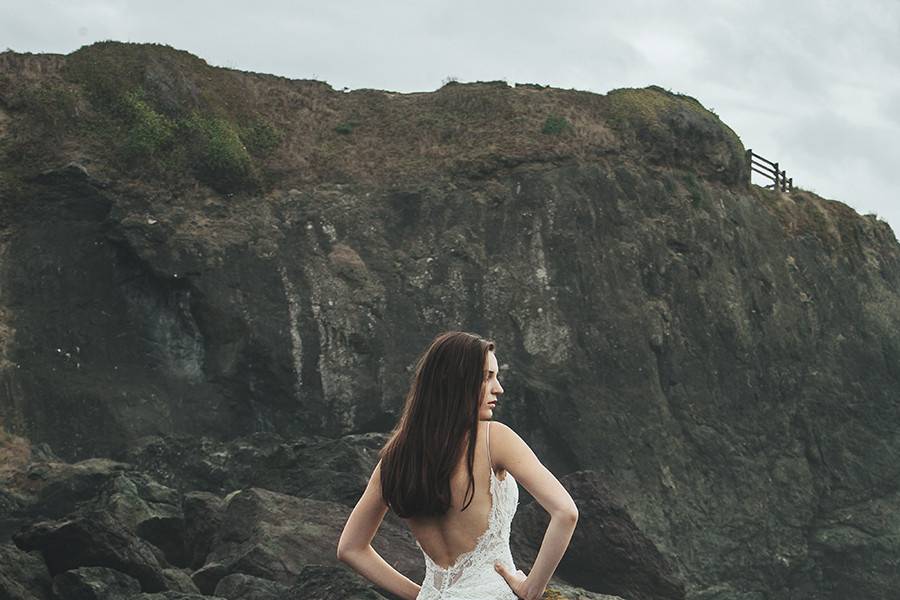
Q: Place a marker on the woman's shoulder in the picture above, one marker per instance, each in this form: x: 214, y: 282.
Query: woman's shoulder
x: 503, y: 442
x: 499, y: 426
x: 495, y: 429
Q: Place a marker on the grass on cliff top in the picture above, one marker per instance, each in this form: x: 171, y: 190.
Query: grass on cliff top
x: 646, y: 105
x: 161, y: 114
x: 648, y: 109
x: 676, y: 129
x: 163, y: 110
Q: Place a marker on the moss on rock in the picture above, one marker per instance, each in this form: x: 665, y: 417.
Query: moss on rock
x: 676, y: 130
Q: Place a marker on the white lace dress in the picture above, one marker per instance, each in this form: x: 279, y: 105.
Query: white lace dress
x: 472, y: 575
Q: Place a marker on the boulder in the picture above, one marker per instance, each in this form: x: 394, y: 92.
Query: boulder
x: 321, y: 468
x: 559, y: 590
x: 95, y: 583
x: 327, y: 582
x: 23, y: 575
x: 608, y: 553
x: 52, y: 490
x: 172, y: 595
x: 239, y: 586
x: 274, y: 536
x: 179, y: 580
x: 148, y: 509
x: 95, y: 539
x: 202, y: 518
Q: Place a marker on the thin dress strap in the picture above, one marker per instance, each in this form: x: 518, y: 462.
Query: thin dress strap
x: 490, y: 464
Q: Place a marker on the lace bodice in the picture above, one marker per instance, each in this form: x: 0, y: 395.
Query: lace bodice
x: 472, y: 575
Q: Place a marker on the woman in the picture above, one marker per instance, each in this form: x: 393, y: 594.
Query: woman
x: 451, y: 473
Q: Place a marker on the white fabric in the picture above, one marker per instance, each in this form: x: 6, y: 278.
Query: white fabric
x: 472, y: 575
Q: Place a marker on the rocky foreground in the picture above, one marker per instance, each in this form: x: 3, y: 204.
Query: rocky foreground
x: 103, y: 529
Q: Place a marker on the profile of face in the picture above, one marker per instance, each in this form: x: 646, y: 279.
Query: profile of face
x: 490, y: 389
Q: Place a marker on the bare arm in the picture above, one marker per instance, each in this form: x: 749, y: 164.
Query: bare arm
x: 355, y: 546
x: 514, y: 455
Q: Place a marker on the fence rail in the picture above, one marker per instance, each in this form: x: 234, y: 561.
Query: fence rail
x: 769, y: 169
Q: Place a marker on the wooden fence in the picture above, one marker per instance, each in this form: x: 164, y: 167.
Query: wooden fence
x: 769, y: 169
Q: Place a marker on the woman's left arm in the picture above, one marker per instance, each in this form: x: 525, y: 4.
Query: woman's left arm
x: 355, y: 546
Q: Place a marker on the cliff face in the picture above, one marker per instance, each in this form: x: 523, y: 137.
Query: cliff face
x: 237, y: 253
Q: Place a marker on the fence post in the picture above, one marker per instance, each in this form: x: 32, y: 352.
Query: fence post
x: 775, y: 187
x: 749, y: 156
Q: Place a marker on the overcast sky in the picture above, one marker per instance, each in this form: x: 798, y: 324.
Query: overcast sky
x: 814, y: 85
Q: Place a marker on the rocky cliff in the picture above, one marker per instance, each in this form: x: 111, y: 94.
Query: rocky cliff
x: 198, y: 263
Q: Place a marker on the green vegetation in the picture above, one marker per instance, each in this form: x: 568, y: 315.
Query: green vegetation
x: 555, y: 124
x: 166, y: 111
x: 698, y: 196
x: 644, y: 108
x: 149, y: 131
x: 654, y: 111
x: 106, y: 70
x: 345, y: 128
x: 220, y: 157
x: 676, y: 130
x: 260, y: 138
x: 156, y: 113
x: 52, y: 108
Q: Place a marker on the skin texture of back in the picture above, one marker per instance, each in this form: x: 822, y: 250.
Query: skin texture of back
x: 446, y: 537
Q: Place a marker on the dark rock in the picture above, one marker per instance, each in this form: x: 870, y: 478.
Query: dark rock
x: 171, y: 595
x: 56, y: 489
x: 839, y: 534
x: 326, y: 582
x: 608, y: 553
x: 42, y: 452
x: 51, y: 490
x: 727, y: 592
x: 559, y: 590
x: 94, y: 539
x: 72, y: 170
x: 239, y: 586
x: 23, y: 575
x: 310, y: 467
x: 95, y: 583
x: 179, y: 580
x: 148, y: 509
x: 202, y: 518
x: 207, y: 577
x: 13, y: 513
x: 273, y: 536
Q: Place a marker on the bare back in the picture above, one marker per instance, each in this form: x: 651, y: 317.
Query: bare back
x: 446, y: 537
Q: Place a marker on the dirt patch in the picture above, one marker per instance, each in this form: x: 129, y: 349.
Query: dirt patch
x: 15, y: 453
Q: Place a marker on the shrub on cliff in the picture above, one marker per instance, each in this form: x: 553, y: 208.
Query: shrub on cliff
x: 218, y: 155
x: 159, y: 109
x: 556, y: 124
x: 260, y: 138
x: 149, y: 131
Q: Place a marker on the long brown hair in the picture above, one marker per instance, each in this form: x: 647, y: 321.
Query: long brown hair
x: 441, y: 409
